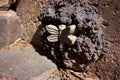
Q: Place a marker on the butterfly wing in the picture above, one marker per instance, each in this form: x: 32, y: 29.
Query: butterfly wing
x: 52, y: 29
x: 52, y: 38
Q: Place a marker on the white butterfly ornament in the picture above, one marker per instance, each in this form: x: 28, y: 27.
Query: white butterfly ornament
x: 55, y: 32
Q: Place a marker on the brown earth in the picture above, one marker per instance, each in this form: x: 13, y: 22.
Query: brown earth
x: 108, y: 68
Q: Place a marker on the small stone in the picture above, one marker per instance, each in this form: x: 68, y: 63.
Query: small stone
x: 88, y: 79
x: 10, y: 27
x: 95, y: 57
x: 5, y: 4
x: 88, y: 56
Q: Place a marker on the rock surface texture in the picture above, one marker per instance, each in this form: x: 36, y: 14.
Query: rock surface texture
x: 28, y: 11
x: 24, y: 63
x: 5, y: 4
x: 10, y: 27
x: 72, y: 32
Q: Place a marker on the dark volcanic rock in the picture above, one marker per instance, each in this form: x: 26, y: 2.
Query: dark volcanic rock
x: 10, y: 27
x: 72, y: 49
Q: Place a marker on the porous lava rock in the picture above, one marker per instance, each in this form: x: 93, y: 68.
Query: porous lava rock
x: 73, y: 47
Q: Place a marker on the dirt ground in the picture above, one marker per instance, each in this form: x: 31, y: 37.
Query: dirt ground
x: 108, y: 68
